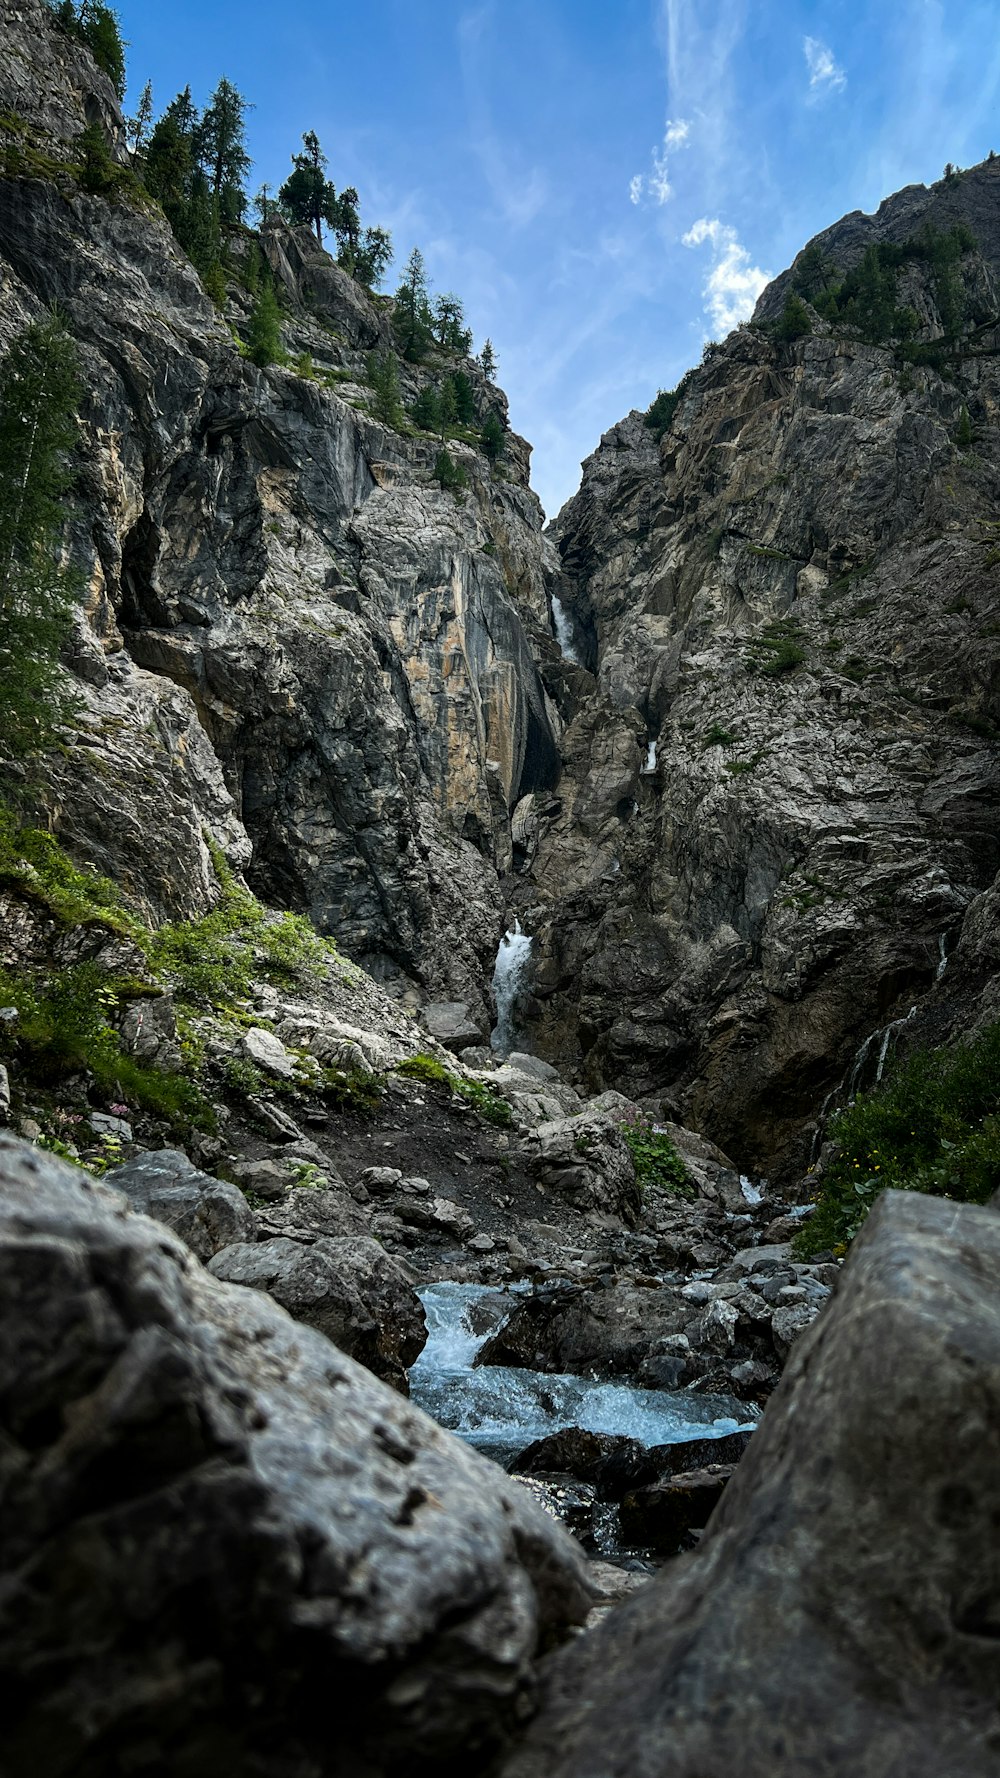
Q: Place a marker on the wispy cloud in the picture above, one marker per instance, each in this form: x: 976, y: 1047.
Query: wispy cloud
x: 656, y: 183
x: 520, y: 193
x: 825, y: 76
x: 734, y: 283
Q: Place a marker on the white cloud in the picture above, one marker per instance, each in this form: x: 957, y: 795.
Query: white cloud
x: 657, y: 185
x: 734, y: 283
x: 824, y: 74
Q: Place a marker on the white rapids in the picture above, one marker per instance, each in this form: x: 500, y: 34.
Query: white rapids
x: 508, y: 980
x: 500, y: 1410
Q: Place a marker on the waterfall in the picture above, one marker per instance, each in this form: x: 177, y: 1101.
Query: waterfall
x: 942, y: 962
x: 562, y: 624
x: 650, y: 765
x: 508, y: 980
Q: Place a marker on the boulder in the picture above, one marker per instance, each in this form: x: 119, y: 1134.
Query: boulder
x: 440, y: 1216
x: 586, y: 1161
x: 842, y: 1611
x: 660, y: 1516
x: 206, y: 1213
x: 348, y: 1288
x: 454, y: 1023
x: 269, y: 1053
x: 227, y: 1547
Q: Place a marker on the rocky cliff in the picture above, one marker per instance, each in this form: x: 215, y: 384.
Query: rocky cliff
x: 790, y: 602
x: 294, y: 640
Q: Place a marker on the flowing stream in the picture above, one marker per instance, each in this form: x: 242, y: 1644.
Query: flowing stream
x: 500, y: 1410
x: 508, y: 979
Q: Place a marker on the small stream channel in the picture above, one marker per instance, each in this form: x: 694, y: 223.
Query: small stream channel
x: 500, y: 1410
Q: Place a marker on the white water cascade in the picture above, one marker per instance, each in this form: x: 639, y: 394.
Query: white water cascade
x: 508, y: 979
x: 563, y: 627
x: 499, y: 1409
x: 650, y: 765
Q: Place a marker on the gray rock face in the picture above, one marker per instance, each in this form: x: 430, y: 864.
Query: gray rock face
x: 250, y: 1525
x: 844, y: 1598
x: 348, y: 1288
x: 586, y: 1161
x: 206, y: 1213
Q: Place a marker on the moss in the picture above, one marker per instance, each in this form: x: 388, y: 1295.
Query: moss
x: 933, y: 1126
x: 425, y: 1068
x: 491, y: 1106
x: 658, y: 1166
x: 34, y: 864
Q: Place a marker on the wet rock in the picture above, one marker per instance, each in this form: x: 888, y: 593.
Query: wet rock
x: 206, y: 1213
x: 563, y: 1498
x: 348, y: 1288
x: 213, y: 1466
x: 843, y: 1598
x: 587, y: 1455
x: 660, y: 1517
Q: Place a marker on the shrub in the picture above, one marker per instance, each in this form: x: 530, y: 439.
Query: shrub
x: 425, y: 1068
x: 795, y: 321
x: 657, y: 1162
x: 932, y: 1126
x: 717, y: 736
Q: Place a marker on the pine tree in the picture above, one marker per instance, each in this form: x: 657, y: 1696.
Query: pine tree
x: 220, y: 146
x: 138, y: 126
x: 97, y: 26
x: 348, y: 229
x: 491, y: 438
x: 383, y: 375
x: 307, y: 195
x: 963, y: 435
x: 264, y: 330
x: 374, y: 257
x: 39, y: 393
x: 426, y: 410
x: 450, y: 330
x: 412, y: 316
x: 449, y: 406
x: 465, y: 401
x: 488, y: 362
x: 98, y: 172
x: 448, y: 473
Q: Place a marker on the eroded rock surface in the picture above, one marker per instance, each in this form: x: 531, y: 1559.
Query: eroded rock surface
x: 844, y: 1599
x: 215, y: 1523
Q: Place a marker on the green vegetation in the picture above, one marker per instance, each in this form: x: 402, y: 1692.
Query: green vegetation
x: 383, y: 376
x: 39, y: 392
x: 795, y: 321
x: 488, y: 361
x: 34, y: 864
x: 717, y: 736
x: 866, y: 299
x: 96, y: 26
x: 932, y: 1126
x: 659, y: 415
x: 778, y: 650
x: 491, y: 1106
x: 449, y: 474
x: 492, y: 442
x: 264, y: 329
x: 963, y: 432
x: 658, y: 1166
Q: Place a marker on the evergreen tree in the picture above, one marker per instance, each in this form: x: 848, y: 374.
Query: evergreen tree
x: 963, y: 436
x: 173, y: 175
x: 374, y: 257
x: 449, y: 473
x: 264, y: 330
x: 97, y: 26
x: 39, y: 393
x: 449, y: 406
x: 412, y: 317
x: 450, y: 330
x: 491, y: 438
x: 138, y: 126
x: 307, y: 195
x: 383, y: 375
x: 488, y: 361
x: 220, y: 147
x: 98, y: 172
x: 465, y: 403
x: 426, y: 410
x: 348, y: 229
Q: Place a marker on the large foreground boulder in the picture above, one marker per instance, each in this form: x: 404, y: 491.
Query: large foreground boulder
x: 842, y: 1613
x: 349, y: 1289
x: 225, y: 1547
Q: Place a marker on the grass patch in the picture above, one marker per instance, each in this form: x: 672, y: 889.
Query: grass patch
x: 658, y: 1166
x: 933, y: 1126
x: 491, y: 1106
x: 717, y: 736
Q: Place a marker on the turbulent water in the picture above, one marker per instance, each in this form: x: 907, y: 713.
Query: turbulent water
x: 500, y: 1410
x: 563, y: 628
x: 508, y: 979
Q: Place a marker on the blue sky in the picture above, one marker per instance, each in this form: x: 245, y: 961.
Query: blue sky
x: 605, y: 183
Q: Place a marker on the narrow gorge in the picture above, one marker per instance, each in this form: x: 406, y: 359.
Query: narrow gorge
x: 439, y: 950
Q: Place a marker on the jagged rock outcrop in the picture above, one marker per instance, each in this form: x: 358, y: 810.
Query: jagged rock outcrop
x: 844, y: 1600
x: 793, y: 598
x: 294, y: 640
x: 215, y: 1523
